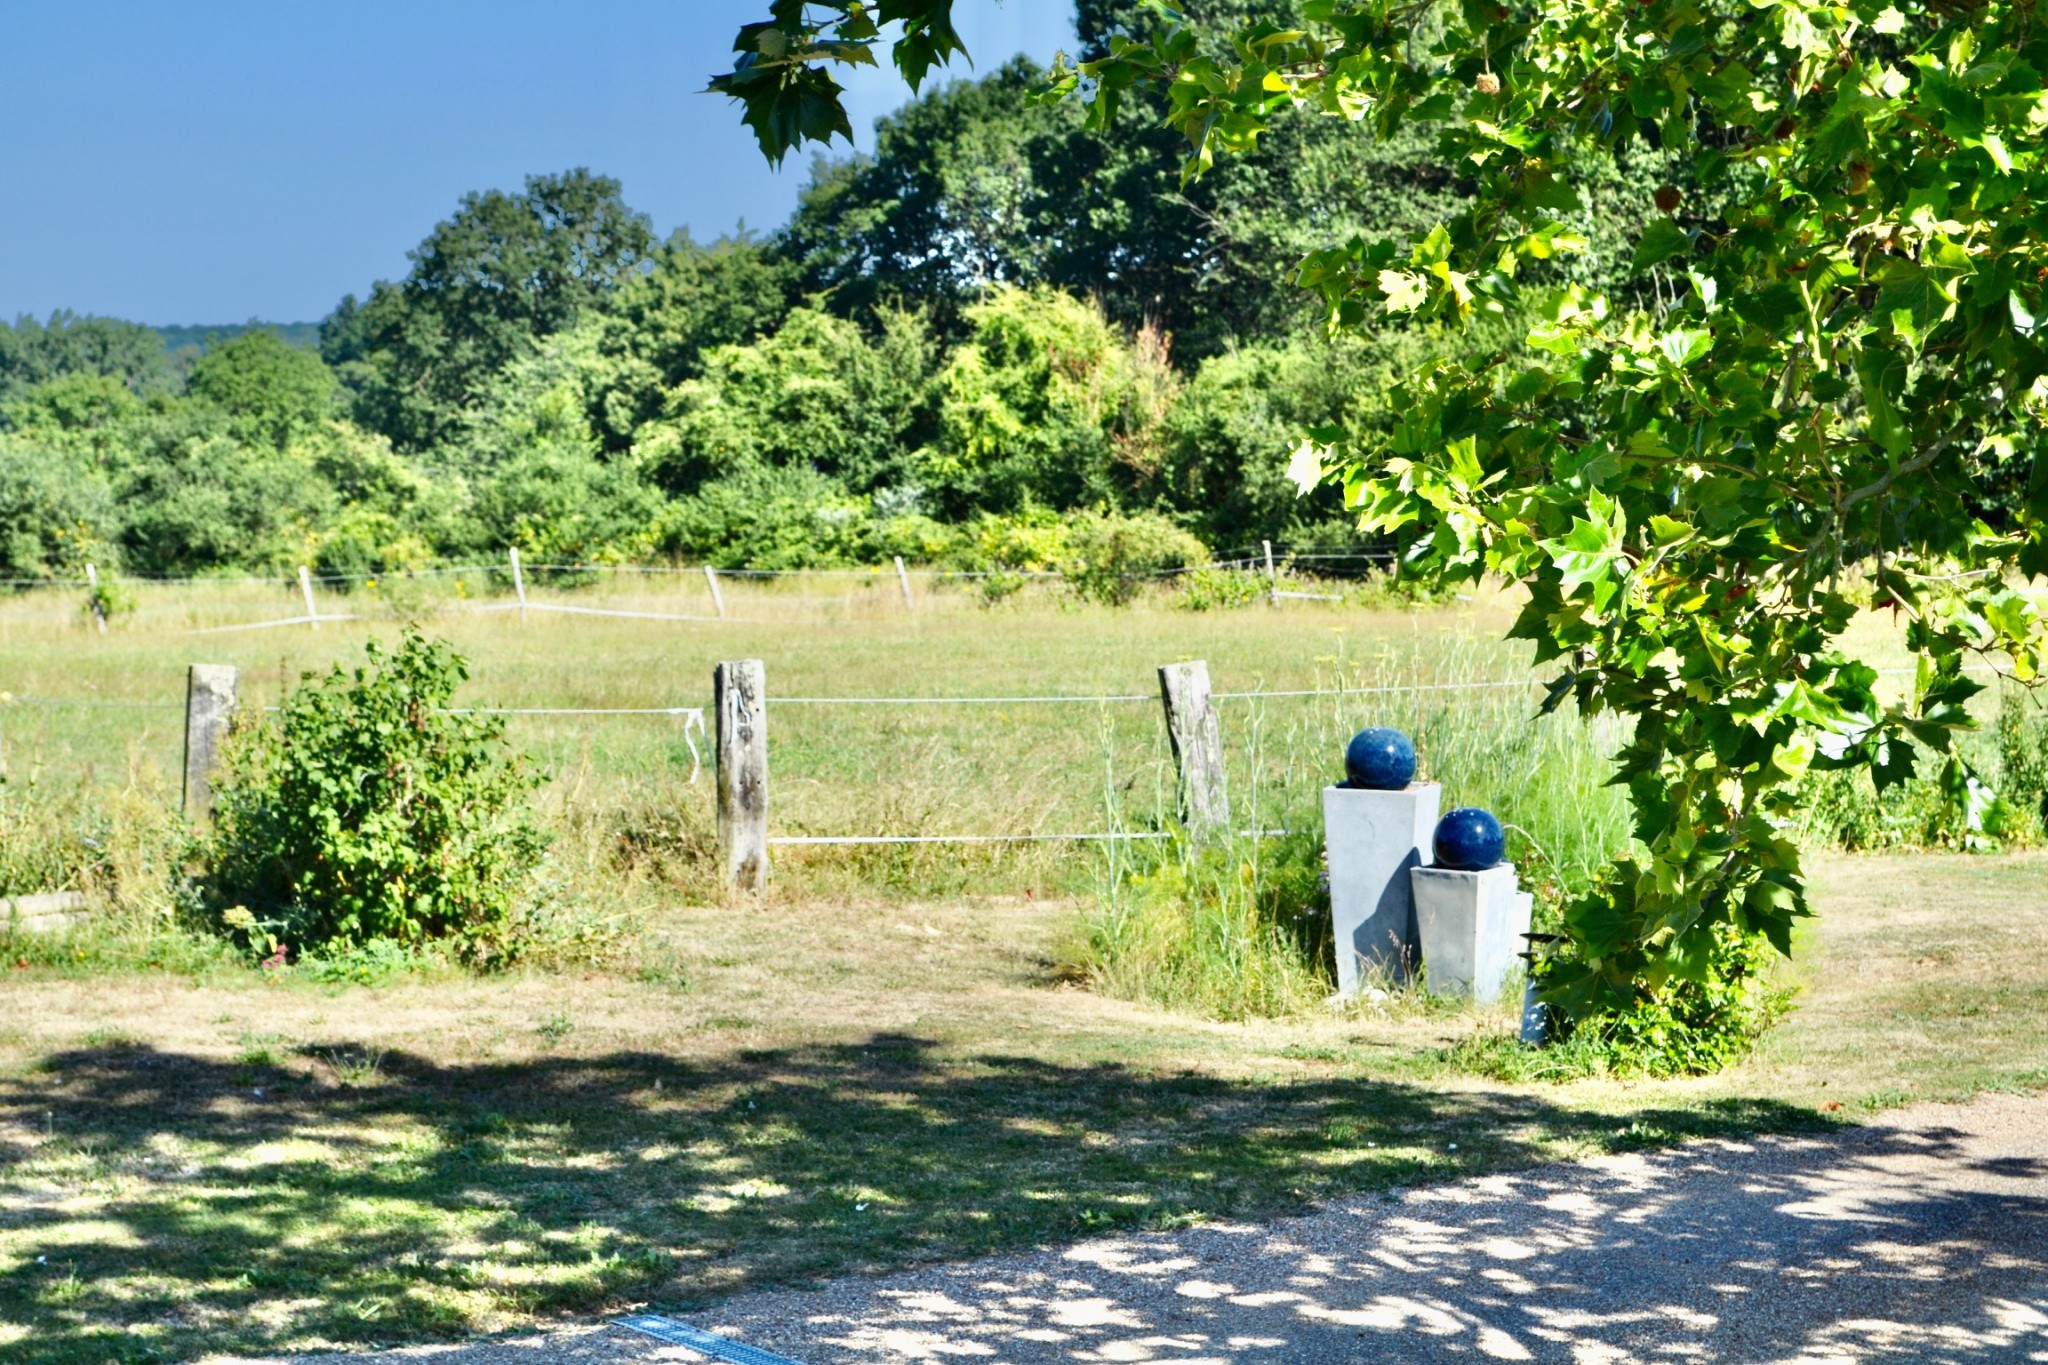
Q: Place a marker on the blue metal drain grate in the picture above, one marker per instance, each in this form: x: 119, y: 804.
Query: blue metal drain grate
x: 710, y: 1343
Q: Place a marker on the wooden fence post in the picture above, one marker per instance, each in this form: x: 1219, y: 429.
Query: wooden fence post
x: 1197, y: 745
x: 306, y: 591
x: 711, y: 582
x: 1272, y: 576
x: 92, y: 589
x: 209, y: 705
x: 519, y: 584
x: 739, y: 693
x: 903, y: 581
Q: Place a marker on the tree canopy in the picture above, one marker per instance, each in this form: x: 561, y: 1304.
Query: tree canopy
x: 503, y: 272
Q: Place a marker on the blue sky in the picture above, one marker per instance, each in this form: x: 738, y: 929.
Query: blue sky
x: 215, y: 162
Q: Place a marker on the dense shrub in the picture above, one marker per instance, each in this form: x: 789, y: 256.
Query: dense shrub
x: 1046, y: 402
x: 1686, y: 1027
x: 563, y: 505
x: 1206, y: 589
x: 818, y: 394
x: 1682, y: 1027
x: 1113, y: 558
x: 367, y: 811
x: 56, y: 511
x: 269, y: 390
x: 768, y: 519
x: 196, y: 499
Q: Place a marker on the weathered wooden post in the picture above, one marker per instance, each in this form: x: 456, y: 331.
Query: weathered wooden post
x: 306, y: 591
x: 739, y: 693
x: 711, y: 582
x: 1272, y: 576
x: 92, y: 597
x: 209, y: 706
x: 1197, y: 745
x: 903, y: 581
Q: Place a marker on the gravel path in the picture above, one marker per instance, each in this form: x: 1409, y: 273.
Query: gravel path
x: 1923, y: 1237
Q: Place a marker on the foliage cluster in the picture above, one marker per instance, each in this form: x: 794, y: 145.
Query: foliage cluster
x: 368, y: 812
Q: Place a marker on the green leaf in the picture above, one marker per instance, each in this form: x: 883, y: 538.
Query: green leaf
x: 1405, y: 291
x: 1662, y: 240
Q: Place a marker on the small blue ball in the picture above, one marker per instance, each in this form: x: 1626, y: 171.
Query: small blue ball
x: 1469, y: 840
x: 1380, y: 759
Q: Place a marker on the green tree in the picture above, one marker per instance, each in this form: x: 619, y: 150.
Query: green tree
x: 817, y: 392
x: 1844, y: 320
x: 32, y: 352
x: 661, y: 323
x: 271, y: 391
x: 56, y: 510
x: 503, y: 272
x: 87, y: 413
x: 195, y: 499
x: 1046, y: 403
x: 1228, y: 440
x: 980, y: 182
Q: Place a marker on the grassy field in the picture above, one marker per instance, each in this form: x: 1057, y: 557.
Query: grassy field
x: 843, y: 769
x: 890, y: 1058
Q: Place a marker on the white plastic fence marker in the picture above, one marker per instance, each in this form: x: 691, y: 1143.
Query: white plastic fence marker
x: 711, y: 581
x: 306, y: 591
x: 903, y: 580
x: 209, y: 706
x: 92, y: 588
x: 739, y: 693
x: 1272, y: 577
x: 519, y: 584
x: 1197, y: 745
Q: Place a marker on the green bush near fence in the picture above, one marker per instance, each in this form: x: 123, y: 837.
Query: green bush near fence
x: 369, y: 813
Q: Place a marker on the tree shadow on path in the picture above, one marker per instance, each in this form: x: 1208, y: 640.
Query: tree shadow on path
x: 1890, y: 1243
x: 156, y: 1204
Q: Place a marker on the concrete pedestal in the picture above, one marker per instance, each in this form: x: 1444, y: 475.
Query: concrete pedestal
x: 1375, y: 838
x: 1471, y: 925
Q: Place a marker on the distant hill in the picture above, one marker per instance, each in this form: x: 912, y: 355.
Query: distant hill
x: 185, y: 344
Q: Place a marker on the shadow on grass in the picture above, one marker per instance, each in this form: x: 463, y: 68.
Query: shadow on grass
x: 159, y: 1205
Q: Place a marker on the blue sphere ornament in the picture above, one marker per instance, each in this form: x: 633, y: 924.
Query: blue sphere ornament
x: 1469, y: 839
x: 1380, y: 759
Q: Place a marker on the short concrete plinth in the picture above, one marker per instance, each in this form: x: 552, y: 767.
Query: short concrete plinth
x: 47, y: 912
x: 1374, y: 839
x: 1471, y: 925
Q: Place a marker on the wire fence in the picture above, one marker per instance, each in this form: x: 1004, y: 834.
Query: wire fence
x: 1234, y: 559
x: 623, y: 590
x: 694, y: 728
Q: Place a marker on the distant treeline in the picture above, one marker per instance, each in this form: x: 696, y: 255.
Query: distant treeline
x: 994, y: 340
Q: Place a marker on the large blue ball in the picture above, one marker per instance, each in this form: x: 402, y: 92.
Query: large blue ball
x: 1469, y: 839
x: 1380, y: 759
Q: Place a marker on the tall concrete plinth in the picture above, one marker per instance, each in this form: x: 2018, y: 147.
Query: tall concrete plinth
x: 1471, y: 925
x: 1374, y: 839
